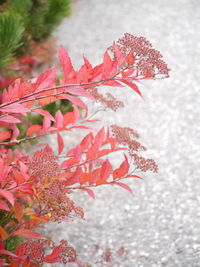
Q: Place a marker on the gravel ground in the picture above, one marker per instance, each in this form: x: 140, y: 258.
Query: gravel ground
x: 160, y: 223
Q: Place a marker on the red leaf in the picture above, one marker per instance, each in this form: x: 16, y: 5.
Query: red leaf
x: 76, y: 114
x: 99, y: 138
x: 4, y: 206
x: 119, y: 56
x: 79, y: 91
x: 5, y: 83
x: 95, y: 175
x: 125, y: 164
x: 68, y: 118
x: 54, y: 256
x: 46, y: 124
x: 66, y: 64
x: 130, y: 58
x: 89, y: 191
x: 28, y: 60
x: 134, y: 176
x: 74, y: 177
x: 122, y: 170
x: 45, y: 113
x: 5, y: 169
x: 72, y: 180
x: 3, y: 233
x: 97, y: 73
x: 118, y: 173
x: 112, y: 83
x: 111, y: 141
x: 133, y: 86
x: 7, y: 252
x: 106, y: 170
x: 15, y: 108
x: 107, y: 65
x: 75, y: 100
x: 104, y: 152
x: 91, y: 120
x: 25, y: 189
x: 92, y: 151
x: 7, y: 195
x: 69, y: 162
x: 21, y: 249
x: 33, y: 129
x: 85, y: 178
x: 5, y: 135
x: 19, y: 210
x: 81, y: 127
x: 85, y: 73
x: 75, y: 152
x: 86, y: 141
x: 15, y: 132
x: 60, y: 143
x: 128, y: 73
x: 46, y: 79
x: 18, y: 177
x: 9, y: 119
x: 59, y: 119
x: 2, y: 245
x: 87, y: 63
x: 125, y: 186
x: 27, y: 233
x: 23, y: 168
x: 82, y: 75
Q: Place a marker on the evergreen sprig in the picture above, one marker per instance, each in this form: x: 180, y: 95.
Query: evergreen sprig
x: 11, y: 31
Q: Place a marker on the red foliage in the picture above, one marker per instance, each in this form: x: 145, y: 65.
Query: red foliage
x: 36, y: 188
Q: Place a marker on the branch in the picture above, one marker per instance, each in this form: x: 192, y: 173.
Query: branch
x: 53, y: 88
x: 92, y: 186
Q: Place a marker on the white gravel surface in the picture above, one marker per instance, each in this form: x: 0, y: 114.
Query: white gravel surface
x: 160, y: 223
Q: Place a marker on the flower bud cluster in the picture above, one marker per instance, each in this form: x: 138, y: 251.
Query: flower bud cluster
x: 125, y: 135
x: 148, y: 60
x: 56, y: 204
x: 109, y: 101
x: 145, y: 164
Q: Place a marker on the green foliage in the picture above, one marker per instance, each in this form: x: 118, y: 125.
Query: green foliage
x: 13, y: 242
x: 63, y: 105
x: 45, y: 15
x: 24, y: 20
x: 5, y: 217
x: 23, y: 8
x: 11, y: 30
x: 57, y: 10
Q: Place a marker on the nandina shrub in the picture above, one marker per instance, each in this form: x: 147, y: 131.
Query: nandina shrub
x: 36, y: 188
